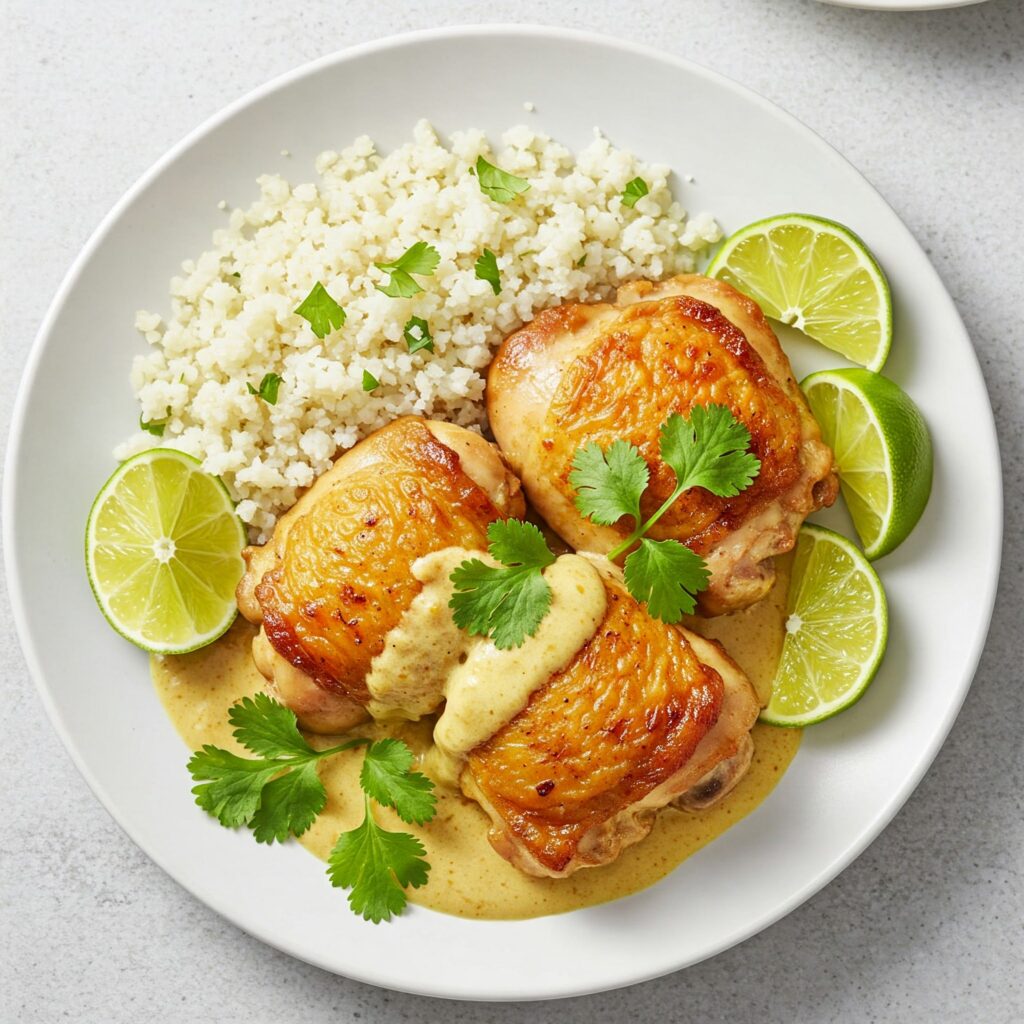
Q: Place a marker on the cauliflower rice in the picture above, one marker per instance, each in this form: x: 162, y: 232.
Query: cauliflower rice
x: 569, y: 237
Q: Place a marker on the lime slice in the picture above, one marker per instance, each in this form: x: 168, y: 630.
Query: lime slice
x: 883, y: 452
x: 835, y: 632
x: 817, y: 276
x: 163, y: 549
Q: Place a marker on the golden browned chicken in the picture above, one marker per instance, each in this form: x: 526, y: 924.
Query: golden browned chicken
x: 335, y: 577
x: 582, y: 373
x: 643, y: 715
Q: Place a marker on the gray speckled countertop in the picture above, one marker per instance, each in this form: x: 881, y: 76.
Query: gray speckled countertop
x: 929, y: 923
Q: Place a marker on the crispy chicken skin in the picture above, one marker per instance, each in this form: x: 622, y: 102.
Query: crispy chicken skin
x: 645, y: 714
x: 581, y: 373
x: 335, y: 577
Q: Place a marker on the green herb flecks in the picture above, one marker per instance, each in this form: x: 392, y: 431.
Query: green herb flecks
x: 268, y: 388
x: 417, y: 335
x: 322, y: 312
x: 154, y: 427
x: 497, y: 184
x: 486, y: 269
x: 635, y: 189
x: 420, y: 259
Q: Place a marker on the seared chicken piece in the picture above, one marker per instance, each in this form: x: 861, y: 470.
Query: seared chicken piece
x: 645, y: 714
x: 582, y: 373
x: 335, y: 577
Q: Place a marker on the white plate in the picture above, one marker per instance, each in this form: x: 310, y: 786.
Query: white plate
x: 749, y: 160
x: 902, y: 5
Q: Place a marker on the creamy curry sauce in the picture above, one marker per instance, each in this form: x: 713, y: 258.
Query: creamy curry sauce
x: 467, y: 878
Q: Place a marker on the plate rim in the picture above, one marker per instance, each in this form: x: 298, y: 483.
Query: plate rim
x: 30, y: 373
x: 902, y: 6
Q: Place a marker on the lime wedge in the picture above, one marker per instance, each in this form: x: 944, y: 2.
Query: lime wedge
x: 835, y: 631
x: 163, y: 549
x: 883, y: 452
x: 817, y: 276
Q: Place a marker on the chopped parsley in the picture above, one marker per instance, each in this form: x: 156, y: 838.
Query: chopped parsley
x: 268, y: 388
x: 322, y: 312
x: 154, y: 427
x: 417, y: 335
x: 420, y: 259
x: 635, y: 189
x: 497, y: 184
x: 486, y: 269
x: 369, y: 381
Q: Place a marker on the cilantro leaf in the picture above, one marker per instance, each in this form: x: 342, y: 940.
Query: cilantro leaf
x: 666, y: 576
x: 322, y: 312
x: 507, y: 602
x: 609, y: 484
x: 514, y: 542
x: 377, y: 865
x: 709, y: 450
x: 268, y: 728
x: 277, y: 794
x: 230, y: 786
x: 497, y: 184
x: 417, y: 335
x: 582, y: 261
x: 634, y: 190
x: 420, y: 258
x: 289, y: 804
x: 486, y: 269
x: 154, y: 427
x: 268, y: 388
x: 369, y: 381
x: 401, y: 286
x: 388, y: 778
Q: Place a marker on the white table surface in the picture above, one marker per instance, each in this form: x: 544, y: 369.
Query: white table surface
x: 929, y: 923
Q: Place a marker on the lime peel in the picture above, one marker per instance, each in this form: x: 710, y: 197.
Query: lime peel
x: 883, y: 452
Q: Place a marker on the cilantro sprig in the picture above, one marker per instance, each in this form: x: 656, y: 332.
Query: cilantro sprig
x: 709, y: 450
x: 322, y: 312
x: 497, y: 184
x: 374, y: 864
x: 505, y: 602
x: 279, y: 793
x: 421, y: 259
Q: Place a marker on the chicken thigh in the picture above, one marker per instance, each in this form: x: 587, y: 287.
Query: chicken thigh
x: 645, y: 714
x: 582, y: 373
x: 336, y: 576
